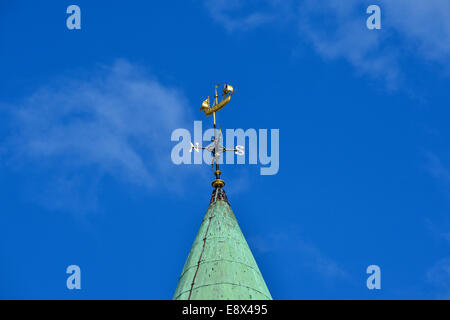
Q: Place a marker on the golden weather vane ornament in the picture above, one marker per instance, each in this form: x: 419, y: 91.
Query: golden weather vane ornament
x: 215, y: 147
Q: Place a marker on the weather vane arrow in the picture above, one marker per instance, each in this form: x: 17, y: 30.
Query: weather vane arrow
x: 216, y: 148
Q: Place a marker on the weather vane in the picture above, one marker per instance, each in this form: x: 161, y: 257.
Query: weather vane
x: 215, y: 147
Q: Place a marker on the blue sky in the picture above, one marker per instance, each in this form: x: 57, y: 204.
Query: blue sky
x: 86, y: 118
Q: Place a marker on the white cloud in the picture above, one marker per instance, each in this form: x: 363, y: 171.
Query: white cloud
x: 424, y: 24
x: 115, y: 123
x: 337, y: 29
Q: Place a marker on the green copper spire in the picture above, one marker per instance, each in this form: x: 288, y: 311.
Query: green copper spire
x: 220, y: 265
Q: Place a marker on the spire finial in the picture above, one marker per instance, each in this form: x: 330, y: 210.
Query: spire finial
x: 218, y: 183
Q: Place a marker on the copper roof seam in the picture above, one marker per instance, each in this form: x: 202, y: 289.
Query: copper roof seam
x: 219, y: 237
x: 230, y: 219
x: 200, y: 258
x: 229, y: 283
x: 228, y: 260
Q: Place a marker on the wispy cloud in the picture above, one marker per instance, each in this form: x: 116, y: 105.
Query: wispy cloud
x: 246, y: 15
x: 311, y: 257
x: 437, y: 169
x: 439, y: 276
x: 424, y: 24
x: 438, y: 230
x: 435, y: 166
x: 337, y: 29
x: 115, y: 122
